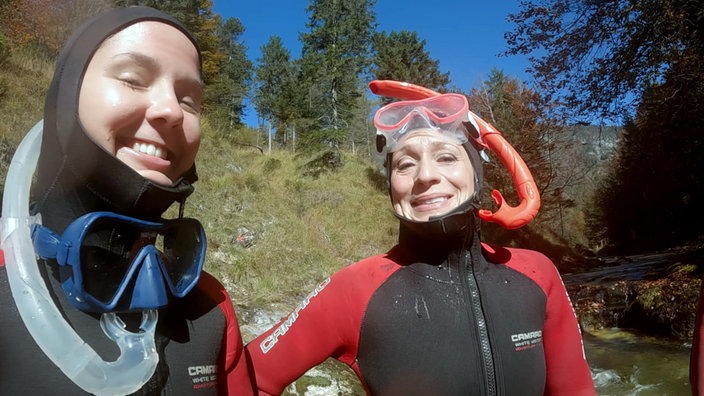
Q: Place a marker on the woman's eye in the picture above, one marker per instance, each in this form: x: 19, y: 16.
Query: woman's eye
x: 190, y: 105
x: 132, y: 83
x: 403, y: 165
x: 447, y: 158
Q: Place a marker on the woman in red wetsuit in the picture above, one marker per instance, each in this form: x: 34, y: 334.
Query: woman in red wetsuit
x: 440, y: 313
x: 696, y: 363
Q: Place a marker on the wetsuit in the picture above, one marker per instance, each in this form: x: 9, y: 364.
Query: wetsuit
x: 197, y: 337
x: 696, y: 363
x: 434, y: 319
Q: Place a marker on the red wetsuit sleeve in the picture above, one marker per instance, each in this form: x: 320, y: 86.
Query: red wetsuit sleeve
x: 233, y: 360
x: 567, y: 370
x: 696, y: 364
x: 325, y: 324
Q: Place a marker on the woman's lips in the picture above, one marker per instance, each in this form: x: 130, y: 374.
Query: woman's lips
x: 430, y: 203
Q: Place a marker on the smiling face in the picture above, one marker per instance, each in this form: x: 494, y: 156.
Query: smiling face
x: 140, y: 100
x: 430, y: 175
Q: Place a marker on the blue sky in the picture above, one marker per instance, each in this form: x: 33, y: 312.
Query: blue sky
x: 466, y: 37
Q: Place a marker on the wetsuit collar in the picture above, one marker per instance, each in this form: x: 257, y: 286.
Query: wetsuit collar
x: 431, y: 241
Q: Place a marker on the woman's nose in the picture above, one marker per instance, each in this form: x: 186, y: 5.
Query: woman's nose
x: 165, y: 106
x: 427, y: 172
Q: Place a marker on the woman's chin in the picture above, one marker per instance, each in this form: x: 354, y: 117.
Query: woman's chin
x: 156, y: 177
x: 414, y: 216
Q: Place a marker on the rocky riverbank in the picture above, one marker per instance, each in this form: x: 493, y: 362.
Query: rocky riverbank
x: 652, y: 294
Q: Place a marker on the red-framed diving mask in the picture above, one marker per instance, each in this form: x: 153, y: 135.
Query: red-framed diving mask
x: 445, y: 114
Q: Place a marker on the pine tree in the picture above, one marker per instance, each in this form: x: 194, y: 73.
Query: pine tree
x: 275, y: 78
x: 402, y: 56
x: 334, y: 58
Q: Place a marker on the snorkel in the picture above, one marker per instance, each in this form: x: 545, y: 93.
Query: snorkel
x: 507, y: 216
x: 78, y: 361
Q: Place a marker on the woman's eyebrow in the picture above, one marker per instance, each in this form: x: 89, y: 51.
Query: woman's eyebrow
x: 138, y: 57
x: 150, y: 62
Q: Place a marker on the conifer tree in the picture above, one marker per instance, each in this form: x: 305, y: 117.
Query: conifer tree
x: 335, y: 56
x: 402, y: 56
x: 275, y: 92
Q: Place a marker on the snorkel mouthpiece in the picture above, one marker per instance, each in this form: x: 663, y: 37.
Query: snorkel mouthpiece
x: 76, y: 359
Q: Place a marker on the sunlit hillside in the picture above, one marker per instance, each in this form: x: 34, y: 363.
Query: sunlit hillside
x: 276, y: 224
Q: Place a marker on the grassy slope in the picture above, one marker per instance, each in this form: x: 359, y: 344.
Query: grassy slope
x: 302, y: 228
x: 24, y: 79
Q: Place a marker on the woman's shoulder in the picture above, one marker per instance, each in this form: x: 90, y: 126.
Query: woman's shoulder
x: 379, y: 264
x: 512, y: 255
x: 208, y: 294
x: 530, y: 263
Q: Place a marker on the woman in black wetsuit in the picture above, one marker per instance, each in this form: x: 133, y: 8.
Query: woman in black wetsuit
x: 120, y: 133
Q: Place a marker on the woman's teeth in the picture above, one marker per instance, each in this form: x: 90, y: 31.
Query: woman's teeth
x: 149, y: 149
x: 434, y: 200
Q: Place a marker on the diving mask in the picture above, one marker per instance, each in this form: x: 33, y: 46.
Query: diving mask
x: 114, y: 263
x: 445, y: 114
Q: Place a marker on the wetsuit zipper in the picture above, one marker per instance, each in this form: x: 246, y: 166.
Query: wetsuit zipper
x: 468, y: 276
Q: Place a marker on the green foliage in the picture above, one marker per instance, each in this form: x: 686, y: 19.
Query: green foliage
x: 335, y: 57
x: 556, y: 163
x: 655, y: 189
x: 224, y: 101
x: 402, y: 56
x: 235, y: 70
x: 606, y: 59
x: 314, y: 140
x: 45, y: 24
x: 599, y: 57
x: 328, y: 161
x: 276, y: 91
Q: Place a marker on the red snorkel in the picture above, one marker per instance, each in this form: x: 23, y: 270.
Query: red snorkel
x: 507, y: 216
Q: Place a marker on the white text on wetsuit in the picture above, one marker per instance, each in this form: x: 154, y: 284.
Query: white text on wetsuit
x: 203, y: 376
x: 527, y: 340
x: 271, y: 340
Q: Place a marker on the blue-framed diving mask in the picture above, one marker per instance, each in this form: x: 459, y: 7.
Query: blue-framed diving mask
x: 114, y: 263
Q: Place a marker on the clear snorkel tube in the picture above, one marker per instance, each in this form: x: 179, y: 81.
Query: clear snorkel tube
x: 78, y: 361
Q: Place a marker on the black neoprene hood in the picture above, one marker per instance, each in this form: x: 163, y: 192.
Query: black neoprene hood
x: 74, y: 174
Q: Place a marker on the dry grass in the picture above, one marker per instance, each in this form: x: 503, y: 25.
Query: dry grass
x: 302, y: 228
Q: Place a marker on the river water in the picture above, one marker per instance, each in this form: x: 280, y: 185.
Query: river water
x: 626, y: 364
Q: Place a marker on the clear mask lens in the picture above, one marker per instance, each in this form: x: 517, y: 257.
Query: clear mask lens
x: 106, y: 252
x: 444, y: 114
